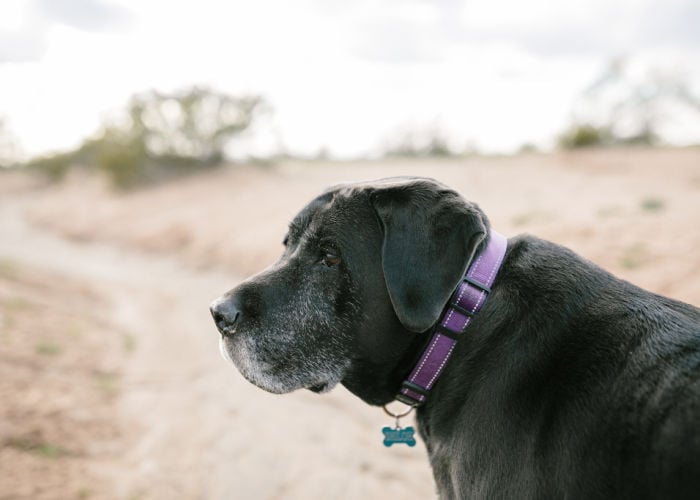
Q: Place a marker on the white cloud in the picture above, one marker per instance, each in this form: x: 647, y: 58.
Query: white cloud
x: 88, y: 15
x: 25, y: 25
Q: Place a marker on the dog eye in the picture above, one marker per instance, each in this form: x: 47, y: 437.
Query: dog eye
x: 285, y: 241
x: 330, y: 259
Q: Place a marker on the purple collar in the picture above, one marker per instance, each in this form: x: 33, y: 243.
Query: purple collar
x: 465, y: 302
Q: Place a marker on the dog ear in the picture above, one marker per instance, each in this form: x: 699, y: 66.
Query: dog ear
x: 430, y: 236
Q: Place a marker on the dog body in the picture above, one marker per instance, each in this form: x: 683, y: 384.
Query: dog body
x: 569, y: 383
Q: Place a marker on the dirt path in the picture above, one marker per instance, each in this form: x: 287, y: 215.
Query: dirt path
x: 190, y: 426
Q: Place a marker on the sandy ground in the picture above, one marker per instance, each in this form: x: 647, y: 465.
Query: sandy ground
x: 110, y: 379
x: 56, y: 428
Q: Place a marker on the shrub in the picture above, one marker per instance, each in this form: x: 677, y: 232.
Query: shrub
x: 582, y: 136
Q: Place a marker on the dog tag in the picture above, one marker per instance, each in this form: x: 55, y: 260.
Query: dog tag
x: 399, y: 435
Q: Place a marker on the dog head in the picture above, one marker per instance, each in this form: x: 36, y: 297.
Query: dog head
x: 366, y: 269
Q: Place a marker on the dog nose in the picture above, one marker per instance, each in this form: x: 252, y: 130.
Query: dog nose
x: 225, y: 313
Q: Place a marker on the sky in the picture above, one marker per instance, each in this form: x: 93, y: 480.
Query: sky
x: 344, y: 76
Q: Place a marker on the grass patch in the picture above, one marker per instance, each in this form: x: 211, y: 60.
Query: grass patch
x: 652, y: 204
x: 37, y: 447
x: 84, y: 493
x: 609, y: 211
x: 8, y: 268
x: 48, y: 349
x: 7, y: 322
x: 128, y: 342
x: 106, y: 381
x: 633, y: 257
x: 10, y: 309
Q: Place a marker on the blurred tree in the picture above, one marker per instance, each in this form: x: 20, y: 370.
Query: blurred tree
x: 633, y: 103
x: 161, y: 135
x: 582, y: 136
x: 193, y: 125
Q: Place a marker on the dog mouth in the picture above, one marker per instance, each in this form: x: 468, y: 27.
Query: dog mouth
x: 256, y: 373
x: 226, y: 331
x: 266, y: 375
x: 320, y: 388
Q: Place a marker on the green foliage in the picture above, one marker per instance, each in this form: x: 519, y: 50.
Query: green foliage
x: 48, y: 348
x: 634, y: 256
x: 54, y: 166
x: 8, y: 268
x: 33, y: 444
x: 122, y: 155
x: 160, y: 136
x: 582, y: 136
x: 652, y: 204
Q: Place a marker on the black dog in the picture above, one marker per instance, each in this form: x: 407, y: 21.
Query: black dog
x: 569, y: 383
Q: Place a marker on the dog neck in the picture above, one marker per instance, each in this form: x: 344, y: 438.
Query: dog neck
x: 465, y: 302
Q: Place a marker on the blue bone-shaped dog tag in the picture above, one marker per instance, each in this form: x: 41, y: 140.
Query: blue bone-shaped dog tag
x: 399, y: 435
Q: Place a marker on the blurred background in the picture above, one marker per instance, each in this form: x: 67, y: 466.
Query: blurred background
x: 152, y: 154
